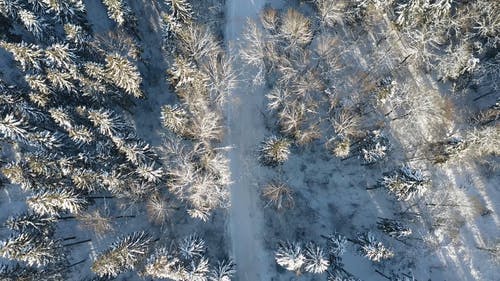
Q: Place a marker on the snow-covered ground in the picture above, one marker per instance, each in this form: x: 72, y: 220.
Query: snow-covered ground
x: 331, y: 194
x: 245, y: 128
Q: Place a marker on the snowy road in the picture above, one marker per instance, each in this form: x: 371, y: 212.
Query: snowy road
x: 245, y: 130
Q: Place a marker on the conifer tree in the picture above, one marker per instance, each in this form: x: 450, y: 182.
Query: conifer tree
x: 405, y: 183
x: 14, y: 128
x: 61, y: 56
x: 32, y: 223
x: 116, y: 10
x: 123, y: 74
x: 164, y: 264
x: 123, y: 255
x: 290, y: 256
x: 180, y: 10
x: 27, y: 55
x: 32, y: 23
x: 55, y: 201
x: 374, y: 147
x: 373, y: 249
x: 275, y: 151
x: 18, y: 273
x: 224, y: 271
x: 28, y: 248
x: 393, y: 228
x: 175, y: 119
x: 315, y: 260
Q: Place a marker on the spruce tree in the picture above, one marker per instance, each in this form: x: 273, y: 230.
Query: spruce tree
x: 290, y: 256
x: 224, y: 271
x: 32, y: 223
x: 393, y: 228
x: 180, y: 10
x: 28, y: 56
x: 373, y: 249
x: 165, y: 265
x: 315, y: 260
x: 275, y: 151
x: 30, y: 248
x: 123, y: 255
x: 52, y: 202
x: 116, y: 10
x: 32, y: 23
x: 405, y: 183
x: 123, y: 74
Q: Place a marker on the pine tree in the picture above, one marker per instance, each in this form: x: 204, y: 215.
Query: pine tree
x: 169, y: 27
x: 18, y: 273
x: 28, y: 248
x: 13, y: 128
x: 224, y: 271
x: 32, y: 223
x: 27, y: 55
x: 315, y: 260
x: 123, y: 74
x: 374, y: 147
x: 159, y: 208
x: 54, y: 202
x: 175, y: 119
x: 336, y: 244
x: 289, y: 255
x: 123, y: 255
x: 393, y: 228
x: 81, y: 135
x: 165, y: 265
x: 75, y: 34
x: 85, y: 179
x: 341, y: 147
x: 40, y: 87
x: 405, y: 183
x: 61, y: 56
x: 61, y: 81
x: 197, y: 270
x: 116, y: 10
x: 108, y: 122
x: 372, y: 249
x: 9, y: 8
x: 149, y: 172
x: 66, y: 10
x: 17, y: 174
x: 136, y: 151
x: 269, y: 18
x: 275, y: 151
x: 32, y: 23
x: 180, y: 10
x: 329, y: 12
x: 192, y: 247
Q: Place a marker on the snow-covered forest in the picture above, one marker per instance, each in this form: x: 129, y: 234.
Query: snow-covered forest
x: 249, y: 140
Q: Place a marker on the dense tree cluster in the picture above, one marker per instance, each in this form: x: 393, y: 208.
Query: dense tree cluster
x: 64, y: 112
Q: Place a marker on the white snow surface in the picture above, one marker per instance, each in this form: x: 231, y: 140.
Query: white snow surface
x: 245, y: 128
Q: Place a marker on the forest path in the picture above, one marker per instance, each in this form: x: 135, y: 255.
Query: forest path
x: 245, y: 130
